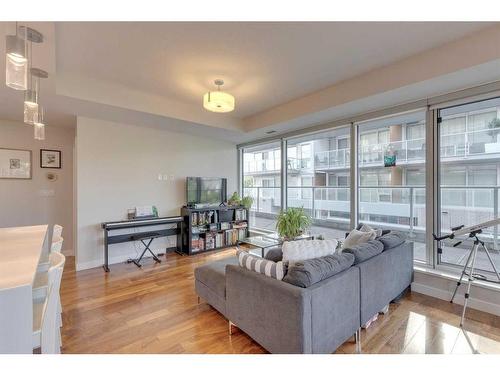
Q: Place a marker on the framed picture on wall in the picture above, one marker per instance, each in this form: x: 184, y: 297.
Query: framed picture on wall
x: 50, y: 159
x: 15, y: 163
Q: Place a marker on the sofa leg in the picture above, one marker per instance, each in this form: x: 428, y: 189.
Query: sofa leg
x: 198, y: 300
x: 231, y: 325
x: 357, y: 338
x: 385, y: 310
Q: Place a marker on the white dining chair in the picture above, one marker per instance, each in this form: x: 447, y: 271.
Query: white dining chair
x: 46, y: 331
x: 56, y: 232
x: 56, y: 246
x: 41, y: 282
x: 43, y: 265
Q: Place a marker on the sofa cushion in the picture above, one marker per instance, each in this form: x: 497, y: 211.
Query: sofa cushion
x: 213, y: 275
x: 311, y: 271
x: 295, y: 251
x: 274, y: 254
x: 392, y: 239
x: 356, y: 237
x: 276, y: 270
x: 365, y: 250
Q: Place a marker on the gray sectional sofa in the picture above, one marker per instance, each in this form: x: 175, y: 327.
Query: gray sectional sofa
x: 285, y: 318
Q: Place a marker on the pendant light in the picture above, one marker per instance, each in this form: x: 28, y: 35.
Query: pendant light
x: 218, y: 101
x: 31, y: 96
x: 39, y: 125
x: 16, y: 61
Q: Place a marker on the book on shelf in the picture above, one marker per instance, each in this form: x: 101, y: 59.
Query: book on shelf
x: 242, y: 234
x: 240, y: 225
x: 210, y: 241
x: 204, y: 217
x: 197, y: 244
x: 225, y: 225
x: 240, y: 214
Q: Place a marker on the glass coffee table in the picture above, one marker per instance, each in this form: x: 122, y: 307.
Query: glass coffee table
x: 268, y: 241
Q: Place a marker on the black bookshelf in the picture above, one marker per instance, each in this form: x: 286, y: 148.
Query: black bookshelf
x: 213, y: 228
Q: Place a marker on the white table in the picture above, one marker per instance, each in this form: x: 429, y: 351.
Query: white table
x: 20, y: 251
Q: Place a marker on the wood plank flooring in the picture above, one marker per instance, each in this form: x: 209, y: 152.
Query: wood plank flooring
x: 155, y: 310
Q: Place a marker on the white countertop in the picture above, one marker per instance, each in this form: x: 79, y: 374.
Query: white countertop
x: 20, y: 251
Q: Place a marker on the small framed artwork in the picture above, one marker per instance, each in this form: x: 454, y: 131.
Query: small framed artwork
x: 50, y: 159
x: 15, y: 163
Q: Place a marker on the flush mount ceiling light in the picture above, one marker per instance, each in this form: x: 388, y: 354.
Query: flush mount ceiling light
x: 218, y: 101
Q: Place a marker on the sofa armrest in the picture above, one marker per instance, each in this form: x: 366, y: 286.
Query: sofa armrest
x: 275, y: 314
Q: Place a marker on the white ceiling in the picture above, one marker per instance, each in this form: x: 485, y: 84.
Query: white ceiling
x: 154, y: 74
x: 263, y: 64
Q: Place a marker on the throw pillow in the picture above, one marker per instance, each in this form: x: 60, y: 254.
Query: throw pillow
x: 295, y: 251
x: 367, y: 228
x: 275, y: 254
x: 357, y: 237
x: 392, y: 239
x: 365, y: 250
x: 312, y: 271
x: 276, y: 270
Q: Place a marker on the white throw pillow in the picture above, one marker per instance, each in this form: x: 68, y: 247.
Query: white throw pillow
x: 357, y: 237
x: 296, y: 251
x: 367, y: 228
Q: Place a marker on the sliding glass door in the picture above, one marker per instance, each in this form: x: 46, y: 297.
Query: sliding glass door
x: 318, y: 179
x: 469, y: 172
x: 262, y: 181
x: 391, y: 175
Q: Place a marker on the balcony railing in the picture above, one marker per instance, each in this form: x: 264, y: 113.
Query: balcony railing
x: 458, y: 145
x: 391, y: 207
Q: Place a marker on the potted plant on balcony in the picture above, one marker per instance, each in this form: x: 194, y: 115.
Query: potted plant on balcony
x: 494, y: 125
x: 292, y: 222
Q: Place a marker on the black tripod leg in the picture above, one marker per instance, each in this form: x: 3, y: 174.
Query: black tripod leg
x: 459, y: 282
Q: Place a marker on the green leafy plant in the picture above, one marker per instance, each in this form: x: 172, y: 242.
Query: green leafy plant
x: 247, y: 202
x: 234, y: 200
x: 494, y: 125
x: 292, y: 222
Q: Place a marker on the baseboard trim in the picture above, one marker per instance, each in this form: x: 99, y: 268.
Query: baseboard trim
x: 122, y: 258
x: 477, y: 304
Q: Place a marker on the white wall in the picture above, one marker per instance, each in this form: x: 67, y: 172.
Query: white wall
x: 117, y: 168
x: 24, y: 202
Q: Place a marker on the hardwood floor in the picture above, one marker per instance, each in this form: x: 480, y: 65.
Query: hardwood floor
x: 155, y: 310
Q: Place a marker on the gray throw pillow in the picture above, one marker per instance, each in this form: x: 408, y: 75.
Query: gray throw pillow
x: 311, y: 271
x: 392, y: 239
x: 365, y: 250
x: 275, y: 254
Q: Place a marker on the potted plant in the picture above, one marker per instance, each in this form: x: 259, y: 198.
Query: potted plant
x: 234, y: 200
x: 292, y: 223
x: 247, y: 202
x: 494, y: 125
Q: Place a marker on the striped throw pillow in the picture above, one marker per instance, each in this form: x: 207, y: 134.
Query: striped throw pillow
x: 276, y: 270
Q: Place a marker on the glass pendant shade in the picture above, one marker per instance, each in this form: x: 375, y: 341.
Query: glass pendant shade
x: 16, y: 63
x: 30, y: 107
x: 39, y: 126
x: 39, y: 131
x: 218, y: 101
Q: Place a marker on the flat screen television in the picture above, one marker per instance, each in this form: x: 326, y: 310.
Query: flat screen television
x: 209, y: 191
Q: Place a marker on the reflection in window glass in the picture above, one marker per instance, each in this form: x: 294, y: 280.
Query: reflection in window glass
x: 391, y: 175
x: 318, y: 175
x: 262, y: 181
x: 469, y: 161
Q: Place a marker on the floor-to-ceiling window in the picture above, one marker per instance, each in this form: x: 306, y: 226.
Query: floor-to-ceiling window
x: 391, y: 175
x: 469, y: 171
x: 262, y: 181
x: 318, y: 179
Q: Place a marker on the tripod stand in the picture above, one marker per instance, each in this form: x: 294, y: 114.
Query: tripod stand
x: 470, y: 274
